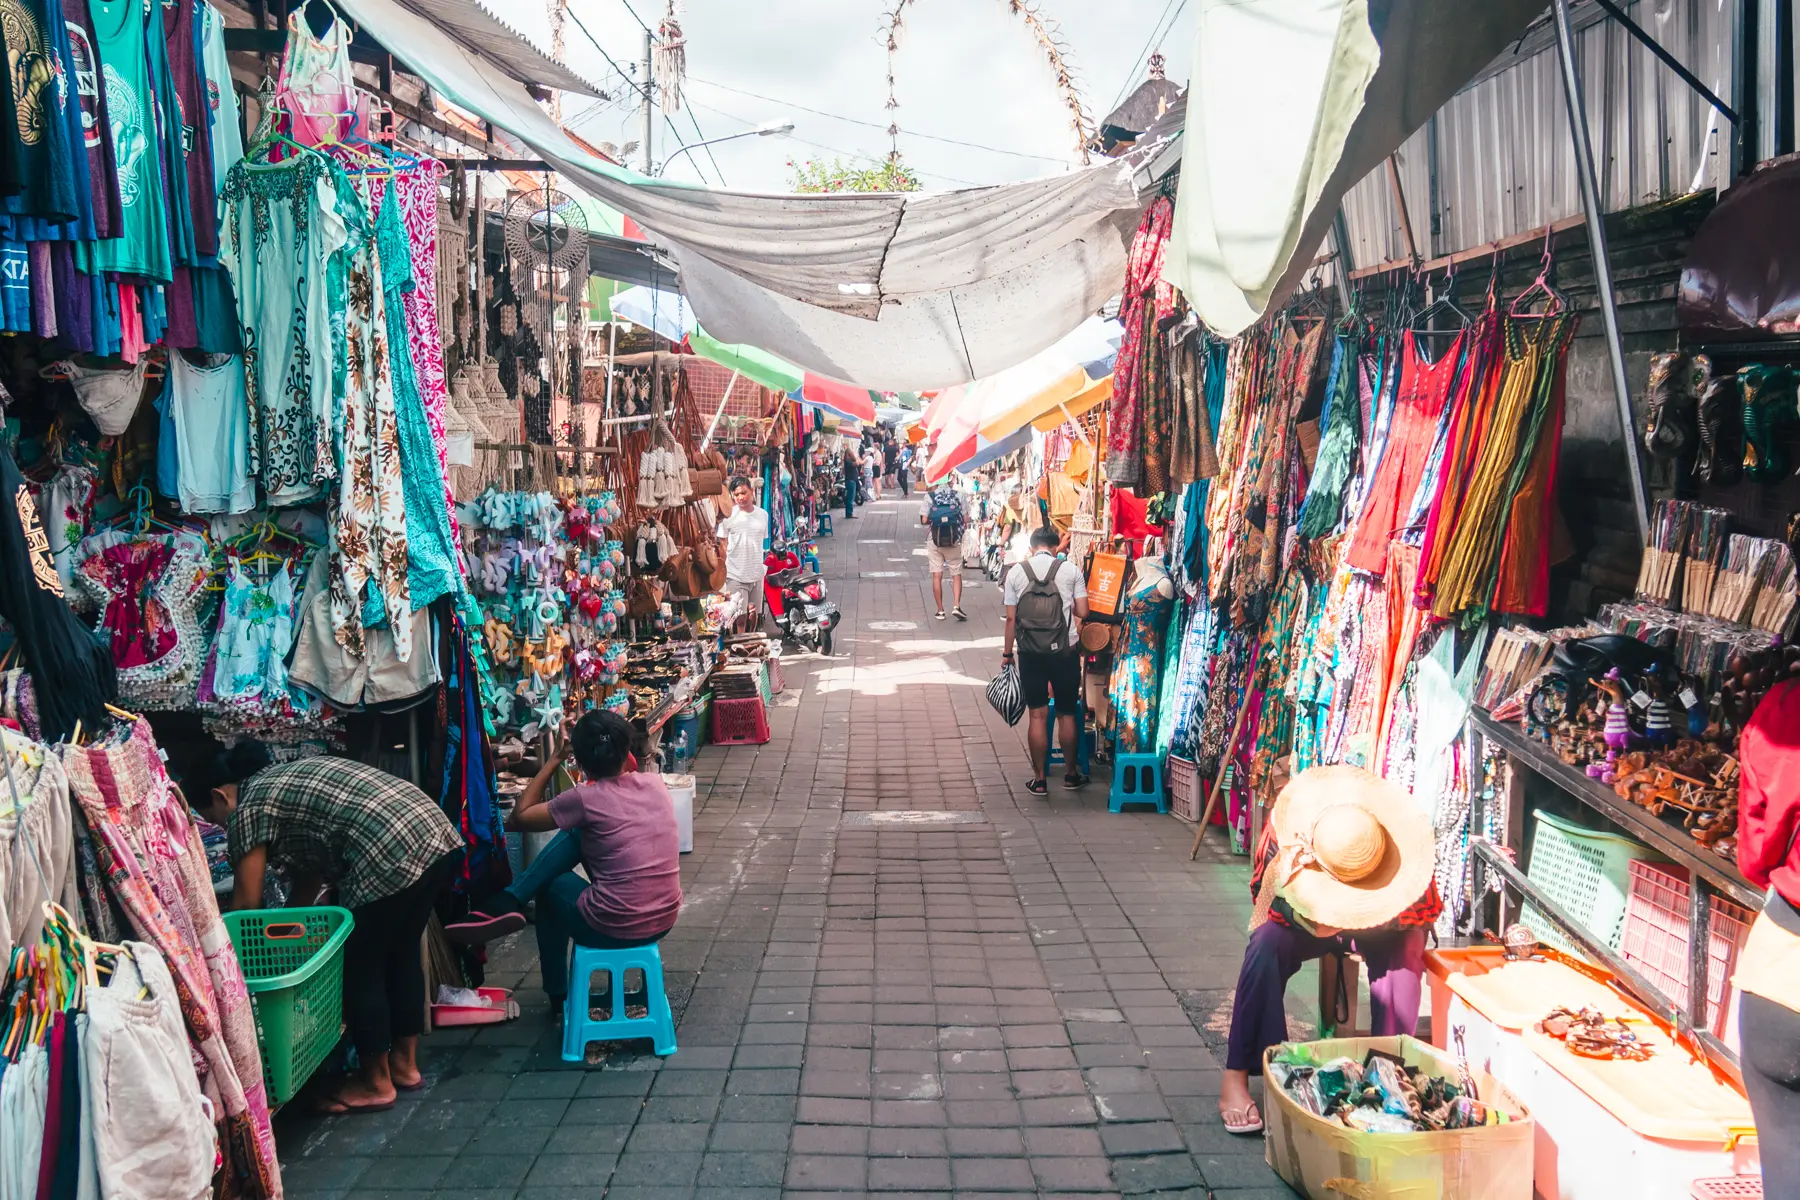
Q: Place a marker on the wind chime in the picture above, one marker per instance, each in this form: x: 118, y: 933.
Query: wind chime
x: 547, y: 238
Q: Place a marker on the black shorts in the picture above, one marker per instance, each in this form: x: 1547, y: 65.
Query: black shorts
x: 1044, y: 675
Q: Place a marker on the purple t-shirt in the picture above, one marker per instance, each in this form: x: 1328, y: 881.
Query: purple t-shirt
x: 632, y: 852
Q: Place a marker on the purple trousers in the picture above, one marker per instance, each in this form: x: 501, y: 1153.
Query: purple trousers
x: 1395, y: 959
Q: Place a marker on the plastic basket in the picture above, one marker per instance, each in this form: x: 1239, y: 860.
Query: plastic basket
x: 1587, y: 873
x: 1727, y: 1187
x: 1655, y: 940
x: 742, y: 722
x: 1182, y: 777
x: 293, y: 964
x: 683, y: 736
x: 776, y: 681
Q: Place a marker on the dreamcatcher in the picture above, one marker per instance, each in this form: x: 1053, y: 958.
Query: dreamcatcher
x: 547, y: 239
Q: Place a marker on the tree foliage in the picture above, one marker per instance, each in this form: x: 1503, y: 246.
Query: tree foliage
x: 840, y: 176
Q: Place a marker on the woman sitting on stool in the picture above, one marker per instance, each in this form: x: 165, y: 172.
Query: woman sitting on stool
x: 620, y: 826
x: 1345, y: 863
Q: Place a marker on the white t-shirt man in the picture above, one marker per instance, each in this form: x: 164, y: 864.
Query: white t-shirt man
x: 744, y: 530
x: 1068, y: 581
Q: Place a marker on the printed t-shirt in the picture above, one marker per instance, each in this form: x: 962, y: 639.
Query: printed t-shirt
x: 632, y: 851
x: 142, y: 247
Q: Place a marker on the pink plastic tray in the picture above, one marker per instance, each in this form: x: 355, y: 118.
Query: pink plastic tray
x: 446, y: 1015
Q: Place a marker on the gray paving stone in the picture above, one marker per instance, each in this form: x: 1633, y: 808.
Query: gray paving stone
x: 981, y: 1009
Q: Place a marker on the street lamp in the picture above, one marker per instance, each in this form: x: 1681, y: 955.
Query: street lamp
x: 780, y: 128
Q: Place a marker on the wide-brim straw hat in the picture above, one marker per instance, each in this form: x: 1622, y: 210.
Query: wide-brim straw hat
x: 1355, y: 850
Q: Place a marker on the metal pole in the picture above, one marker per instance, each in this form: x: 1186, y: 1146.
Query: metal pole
x: 1596, y: 226
x: 649, y: 100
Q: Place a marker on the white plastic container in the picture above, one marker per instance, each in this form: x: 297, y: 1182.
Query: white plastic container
x: 681, y: 791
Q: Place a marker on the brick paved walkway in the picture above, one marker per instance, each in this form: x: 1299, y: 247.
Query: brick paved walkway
x: 1016, y: 997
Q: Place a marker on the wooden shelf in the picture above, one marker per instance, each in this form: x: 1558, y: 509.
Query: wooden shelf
x: 1640, y: 823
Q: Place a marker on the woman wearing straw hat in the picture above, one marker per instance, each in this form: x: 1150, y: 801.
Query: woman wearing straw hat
x: 1346, y: 862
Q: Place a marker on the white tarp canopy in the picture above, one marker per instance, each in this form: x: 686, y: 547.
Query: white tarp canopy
x: 1292, y: 102
x: 895, y: 292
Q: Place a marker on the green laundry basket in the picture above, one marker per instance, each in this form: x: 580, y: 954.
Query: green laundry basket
x: 293, y: 964
x: 1587, y: 873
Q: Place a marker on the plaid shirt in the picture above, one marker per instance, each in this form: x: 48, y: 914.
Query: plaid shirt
x: 357, y: 827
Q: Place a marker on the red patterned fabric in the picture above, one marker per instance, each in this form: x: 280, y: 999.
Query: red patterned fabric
x: 1146, y: 297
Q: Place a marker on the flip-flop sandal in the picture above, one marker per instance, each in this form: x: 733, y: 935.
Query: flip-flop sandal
x: 480, y: 929
x: 1243, y: 1121
x: 337, y: 1108
x: 410, y: 1087
x: 1037, y: 787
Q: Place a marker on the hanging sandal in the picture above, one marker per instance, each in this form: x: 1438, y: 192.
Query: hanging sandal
x: 1243, y: 1121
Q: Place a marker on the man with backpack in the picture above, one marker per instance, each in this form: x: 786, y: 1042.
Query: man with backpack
x: 945, y: 520
x: 1046, y: 599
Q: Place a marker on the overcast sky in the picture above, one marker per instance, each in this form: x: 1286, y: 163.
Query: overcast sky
x: 967, y: 70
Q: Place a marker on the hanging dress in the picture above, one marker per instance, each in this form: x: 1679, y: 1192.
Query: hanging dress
x: 432, y: 558
x: 368, y: 521
x: 285, y: 232
x: 1425, y: 389
x: 1137, y: 669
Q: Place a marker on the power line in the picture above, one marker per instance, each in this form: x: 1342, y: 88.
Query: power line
x: 699, y: 133
x: 633, y: 84
x: 676, y: 134
x: 932, y: 137
x: 851, y: 154
x: 1154, y: 41
x: 634, y: 16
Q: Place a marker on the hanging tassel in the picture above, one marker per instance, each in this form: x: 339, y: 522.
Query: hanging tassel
x: 671, y: 59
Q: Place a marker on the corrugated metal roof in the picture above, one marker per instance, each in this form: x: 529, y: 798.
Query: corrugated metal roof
x: 1505, y: 163
x: 487, y: 37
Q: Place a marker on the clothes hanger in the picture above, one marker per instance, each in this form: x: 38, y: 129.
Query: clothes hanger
x: 1555, y: 301
x: 1444, y: 303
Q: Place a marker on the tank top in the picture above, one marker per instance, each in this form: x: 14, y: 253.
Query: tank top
x: 141, y: 246
x: 84, y: 56
x: 317, y: 87
x: 180, y: 42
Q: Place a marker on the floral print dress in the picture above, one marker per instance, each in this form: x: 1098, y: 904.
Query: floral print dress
x: 1137, y: 669
x: 368, y: 521
x: 284, y: 233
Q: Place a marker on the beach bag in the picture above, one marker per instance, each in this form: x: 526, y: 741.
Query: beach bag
x: 1007, y: 695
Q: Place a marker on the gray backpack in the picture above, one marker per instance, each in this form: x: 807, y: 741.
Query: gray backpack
x: 1039, y: 624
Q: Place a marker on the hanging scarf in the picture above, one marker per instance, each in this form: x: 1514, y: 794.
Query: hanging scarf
x: 71, y: 669
x: 468, y: 786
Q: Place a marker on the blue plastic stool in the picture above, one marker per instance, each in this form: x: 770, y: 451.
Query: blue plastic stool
x: 824, y: 524
x: 580, y: 1028
x: 1137, y: 779
x: 1084, y: 741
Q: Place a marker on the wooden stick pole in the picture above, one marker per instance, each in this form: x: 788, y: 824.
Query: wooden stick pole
x: 1237, y: 727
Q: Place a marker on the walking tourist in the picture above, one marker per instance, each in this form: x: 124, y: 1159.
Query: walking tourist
x: 1768, y: 967
x: 905, y: 470
x: 743, y: 536
x: 386, y: 848
x: 1046, y: 599
x: 946, y: 520
x: 1345, y: 864
x: 620, y: 826
x: 852, y: 478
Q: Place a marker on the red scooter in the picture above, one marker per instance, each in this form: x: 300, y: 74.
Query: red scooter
x: 796, y: 599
